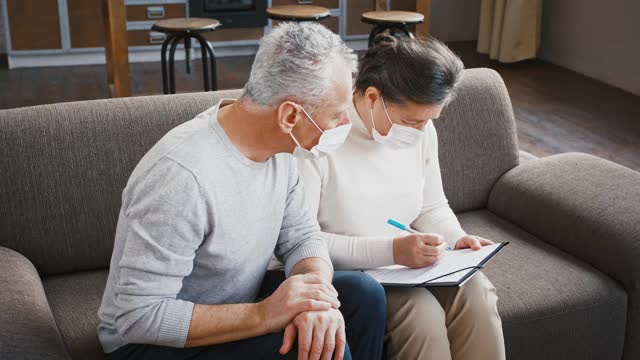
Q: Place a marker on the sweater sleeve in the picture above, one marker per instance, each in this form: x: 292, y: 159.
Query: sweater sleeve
x: 300, y: 236
x: 347, y: 252
x: 165, y: 218
x: 436, y: 216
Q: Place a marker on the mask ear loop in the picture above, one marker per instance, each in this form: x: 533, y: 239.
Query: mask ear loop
x: 294, y: 140
x: 313, y: 122
x: 373, y: 124
x: 385, y: 110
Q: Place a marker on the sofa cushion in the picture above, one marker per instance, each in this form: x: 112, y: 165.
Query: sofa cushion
x: 74, y: 301
x: 553, y: 306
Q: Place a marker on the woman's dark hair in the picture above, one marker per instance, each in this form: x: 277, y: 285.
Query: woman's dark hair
x: 422, y: 71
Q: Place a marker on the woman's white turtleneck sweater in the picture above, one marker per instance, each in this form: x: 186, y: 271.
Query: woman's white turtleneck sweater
x: 355, y: 190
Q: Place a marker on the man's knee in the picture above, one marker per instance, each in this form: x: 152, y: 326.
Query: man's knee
x: 361, y: 288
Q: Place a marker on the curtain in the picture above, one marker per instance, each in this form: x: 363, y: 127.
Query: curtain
x: 510, y: 29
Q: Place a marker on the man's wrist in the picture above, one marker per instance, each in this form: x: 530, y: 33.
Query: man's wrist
x: 259, y: 318
x: 313, y: 265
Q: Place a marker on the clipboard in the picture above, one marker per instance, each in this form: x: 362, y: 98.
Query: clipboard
x: 433, y: 276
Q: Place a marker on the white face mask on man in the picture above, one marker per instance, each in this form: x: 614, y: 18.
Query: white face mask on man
x: 398, y: 137
x: 330, y: 141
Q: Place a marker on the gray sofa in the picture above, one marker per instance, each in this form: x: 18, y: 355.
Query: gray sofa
x: 568, y: 284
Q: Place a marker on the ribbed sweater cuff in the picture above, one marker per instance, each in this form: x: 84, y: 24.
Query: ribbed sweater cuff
x: 174, y: 328
x: 309, y: 250
x: 380, y: 251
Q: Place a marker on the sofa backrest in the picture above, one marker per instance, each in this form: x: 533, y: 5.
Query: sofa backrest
x: 477, y: 139
x: 64, y: 166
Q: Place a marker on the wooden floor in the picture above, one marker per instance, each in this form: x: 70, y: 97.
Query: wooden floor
x: 556, y: 110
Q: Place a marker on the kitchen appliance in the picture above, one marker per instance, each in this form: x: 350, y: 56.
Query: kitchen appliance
x: 231, y: 13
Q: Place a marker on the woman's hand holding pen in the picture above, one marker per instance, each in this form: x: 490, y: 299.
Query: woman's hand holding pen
x: 418, y: 250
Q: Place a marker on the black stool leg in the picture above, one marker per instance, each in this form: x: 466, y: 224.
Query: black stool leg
x: 163, y: 61
x: 205, y: 63
x: 187, y: 53
x: 212, y: 59
x: 172, y: 69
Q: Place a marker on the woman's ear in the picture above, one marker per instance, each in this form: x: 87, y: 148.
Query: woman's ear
x: 371, y: 95
x: 287, y: 114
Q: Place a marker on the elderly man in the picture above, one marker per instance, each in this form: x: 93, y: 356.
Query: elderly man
x: 209, y: 204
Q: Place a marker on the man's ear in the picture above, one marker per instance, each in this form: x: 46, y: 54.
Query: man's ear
x: 287, y: 114
x: 371, y: 95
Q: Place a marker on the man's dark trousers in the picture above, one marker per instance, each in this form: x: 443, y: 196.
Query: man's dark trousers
x: 363, y: 306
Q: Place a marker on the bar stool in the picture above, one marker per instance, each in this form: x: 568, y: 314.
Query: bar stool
x: 179, y: 29
x: 392, y: 21
x: 298, y: 13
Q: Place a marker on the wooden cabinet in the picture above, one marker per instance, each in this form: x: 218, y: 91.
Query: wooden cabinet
x: 86, y: 23
x: 333, y: 23
x: 152, y: 12
x: 145, y: 37
x: 404, y: 5
x: 87, y: 28
x: 34, y: 24
x: 354, y: 10
x: 60, y: 27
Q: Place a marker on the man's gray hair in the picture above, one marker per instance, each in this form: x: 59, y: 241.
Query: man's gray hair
x: 297, y: 61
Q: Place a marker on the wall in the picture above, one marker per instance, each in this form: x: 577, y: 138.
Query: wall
x: 600, y: 39
x: 455, y: 20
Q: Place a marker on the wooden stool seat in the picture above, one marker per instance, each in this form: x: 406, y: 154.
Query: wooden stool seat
x: 185, y: 29
x: 392, y: 17
x: 298, y: 13
x: 391, y: 22
x: 181, y: 25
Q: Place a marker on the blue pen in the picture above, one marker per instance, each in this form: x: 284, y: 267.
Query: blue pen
x: 404, y: 227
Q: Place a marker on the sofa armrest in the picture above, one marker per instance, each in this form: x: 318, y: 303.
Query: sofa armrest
x: 27, y: 327
x: 587, y: 206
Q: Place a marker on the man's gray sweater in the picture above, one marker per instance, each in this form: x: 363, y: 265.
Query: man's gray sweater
x: 199, y: 223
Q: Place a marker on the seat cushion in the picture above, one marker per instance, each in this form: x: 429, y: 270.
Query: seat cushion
x: 553, y: 306
x: 74, y: 301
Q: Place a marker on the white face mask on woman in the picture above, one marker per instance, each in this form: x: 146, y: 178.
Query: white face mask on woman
x: 330, y: 141
x: 398, y: 137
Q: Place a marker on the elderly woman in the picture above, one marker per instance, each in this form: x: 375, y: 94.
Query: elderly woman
x: 388, y: 167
